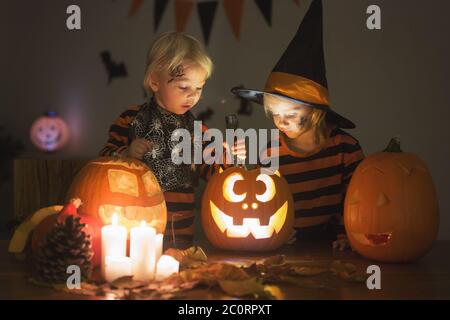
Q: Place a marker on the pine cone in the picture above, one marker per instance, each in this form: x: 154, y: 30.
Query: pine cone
x: 66, y: 244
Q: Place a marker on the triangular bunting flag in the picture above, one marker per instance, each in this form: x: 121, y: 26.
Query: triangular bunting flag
x: 206, y: 12
x: 159, y: 8
x: 183, y: 10
x: 233, y: 10
x: 265, y: 6
x: 134, y: 7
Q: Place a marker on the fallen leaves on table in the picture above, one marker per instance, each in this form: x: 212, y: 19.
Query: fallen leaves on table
x: 308, y: 271
x: 250, y: 287
x: 257, y: 280
x: 191, y: 257
x: 346, y: 271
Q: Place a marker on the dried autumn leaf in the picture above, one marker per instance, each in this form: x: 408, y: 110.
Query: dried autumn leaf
x: 175, y: 253
x: 352, y: 277
x: 191, y: 257
x: 86, y: 289
x: 307, y: 271
x: 274, y: 260
x: 346, y: 271
x: 225, y: 271
x: 195, y: 253
x: 127, y: 282
x: 275, y: 291
x: 250, y: 287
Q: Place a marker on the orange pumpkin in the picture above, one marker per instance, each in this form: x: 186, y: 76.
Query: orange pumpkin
x: 121, y: 186
x: 247, y: 210
x: 49, y: 132
x: 391, y: 208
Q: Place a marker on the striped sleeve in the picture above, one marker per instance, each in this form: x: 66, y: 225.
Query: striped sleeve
x: 316, y: 180
x: 119, y: 132
x: 352, y: 157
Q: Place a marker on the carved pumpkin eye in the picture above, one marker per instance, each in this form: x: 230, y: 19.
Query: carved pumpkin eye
x: 228, y: 186
x: 382, y: 200
x: 150, y: 184
x: 123, y: 182
x: 270, y: 188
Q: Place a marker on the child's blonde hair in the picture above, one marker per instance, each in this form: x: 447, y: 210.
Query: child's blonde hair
x: 316, y: 120
x: 170, y: 49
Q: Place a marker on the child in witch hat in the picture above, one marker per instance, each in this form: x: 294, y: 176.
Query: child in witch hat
x: 316, y: 156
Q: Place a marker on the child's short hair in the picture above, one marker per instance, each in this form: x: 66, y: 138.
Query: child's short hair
x: 316, y: 120
x: 170, y: 49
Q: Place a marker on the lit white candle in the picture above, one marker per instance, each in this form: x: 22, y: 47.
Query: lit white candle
x: 114, y: 241
x: 159, y: 245
x: 166, y: 266
x: 142, y: 251
x: 117, y: 267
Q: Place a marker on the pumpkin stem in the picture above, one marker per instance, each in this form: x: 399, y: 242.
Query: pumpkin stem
x: 394, y: 145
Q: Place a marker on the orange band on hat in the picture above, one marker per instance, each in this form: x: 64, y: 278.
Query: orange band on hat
x: 297, y: 87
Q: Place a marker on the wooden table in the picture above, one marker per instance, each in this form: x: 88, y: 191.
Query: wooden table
x: 427, y: 279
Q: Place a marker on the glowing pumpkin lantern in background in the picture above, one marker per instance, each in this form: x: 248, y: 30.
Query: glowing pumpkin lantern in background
x: 126, y: 187
x: 391, y: 208
x: 247, y: 210
x: 49, y: 132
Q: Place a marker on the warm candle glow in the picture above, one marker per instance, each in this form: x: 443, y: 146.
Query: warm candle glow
x: 167, y: 265
x: 143, y: 251
x: 114, y: 241
x: 115, y: 219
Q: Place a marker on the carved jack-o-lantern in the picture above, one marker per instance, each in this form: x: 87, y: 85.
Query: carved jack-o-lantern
x: 391, y: 210
x: 247, y: 210
x: 125, y: 187
x: 49, y: 132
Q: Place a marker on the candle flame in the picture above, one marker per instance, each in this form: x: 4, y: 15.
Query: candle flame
x: 143, y: 223
x: 115, y: 219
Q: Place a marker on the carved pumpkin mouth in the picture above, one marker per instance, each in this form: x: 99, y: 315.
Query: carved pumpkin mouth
x: 249, y: 225
x: 131, y: 216
x: 373, y: 239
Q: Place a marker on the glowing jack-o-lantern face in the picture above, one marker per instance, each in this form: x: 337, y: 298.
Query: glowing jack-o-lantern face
x: 49, y: 132
x: 391, y: 211
x: 125, y: 187
x: 247, y: 210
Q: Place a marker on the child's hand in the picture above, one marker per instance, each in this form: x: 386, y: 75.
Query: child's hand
x: 341, y: 242
x: 238, y: 150
x: 139, y: 147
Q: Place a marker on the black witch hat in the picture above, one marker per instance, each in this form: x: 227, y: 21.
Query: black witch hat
x: 300, y: 73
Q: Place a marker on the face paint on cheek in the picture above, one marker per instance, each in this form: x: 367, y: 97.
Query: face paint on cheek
x: 303, y: 122
x: 178, y: 72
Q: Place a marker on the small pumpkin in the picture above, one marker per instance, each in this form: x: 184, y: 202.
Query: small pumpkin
x: 92, y: 228
x: 247, y: 210
x: 391, y: 208
x: 49, y: 132
x: 122, y: 186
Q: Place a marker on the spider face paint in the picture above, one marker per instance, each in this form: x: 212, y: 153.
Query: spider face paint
x: 289, y: 117
x: 303, y: 121
x: 180, y: 90
x: 178, y: 72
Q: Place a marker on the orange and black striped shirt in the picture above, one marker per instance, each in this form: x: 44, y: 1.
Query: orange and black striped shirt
x: 318, y: 180
x: 180, y: 201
